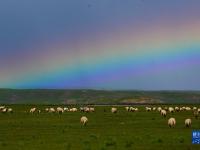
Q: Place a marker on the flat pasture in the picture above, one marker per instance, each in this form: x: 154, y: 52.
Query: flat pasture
x: 104, y: 131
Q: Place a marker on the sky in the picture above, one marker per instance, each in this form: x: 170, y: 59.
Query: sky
x: 100, y: 44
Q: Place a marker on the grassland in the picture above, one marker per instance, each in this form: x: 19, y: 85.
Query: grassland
x: 104, y: 131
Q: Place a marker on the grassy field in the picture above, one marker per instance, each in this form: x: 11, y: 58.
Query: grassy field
x: 104, y: 131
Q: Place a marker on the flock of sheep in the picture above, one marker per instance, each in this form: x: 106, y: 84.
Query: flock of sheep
x: 4, y: 109
x: 61, y: 110
x: 163, y: 111
x: 172, y: 121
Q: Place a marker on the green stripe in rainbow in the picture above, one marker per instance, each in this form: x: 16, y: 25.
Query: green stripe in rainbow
x: 123, y: 57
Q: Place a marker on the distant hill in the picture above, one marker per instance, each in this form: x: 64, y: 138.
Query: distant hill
x: 48, y: 96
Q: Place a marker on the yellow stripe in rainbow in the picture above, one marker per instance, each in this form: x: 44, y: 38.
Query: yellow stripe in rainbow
x: 95, y: 57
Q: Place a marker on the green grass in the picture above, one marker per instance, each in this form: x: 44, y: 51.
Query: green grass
x: 104, y: 131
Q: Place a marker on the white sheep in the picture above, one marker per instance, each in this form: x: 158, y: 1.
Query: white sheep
x: 163, y: 112
x: 177, y: 108
x: 65, y: 109
x: 73, y: 109
x: 32, y: 110
x: 4, y: 110
x: 183, y: 108
x: 159, y: 109
x: 132, y: 109
x: 171, y: 122
x: 10, y: 110
x: 127, y: 108
x: 60, y: 110
x: 188, y: 108
x: 188, y: 122
x: 194, y: 108
x: 92, y: 109
x: 114, y: 110
x: 148, y: 108
x: 86, y: 109
x: 2, y: 107
x: 84, y: 120
x: 171, y: 109
x: 52, y: 110
x: 82, y: 109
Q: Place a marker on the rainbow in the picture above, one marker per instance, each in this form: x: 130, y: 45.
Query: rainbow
x: 106, y: 58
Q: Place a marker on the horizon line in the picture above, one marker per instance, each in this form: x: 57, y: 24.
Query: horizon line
x: 101, y: 89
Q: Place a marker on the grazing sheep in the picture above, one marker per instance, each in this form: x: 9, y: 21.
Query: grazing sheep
x: 114, y: 110
x: 163, y: 113
x: 132, y: 109
x: 136, y: 109
x: 148, y: 109
x: 1, y: 108
x: 39, y: 111
x: 196, y: 114
x: 73, y: 109
x: 127, y: 108
x: 188, y: 122
x: 84, y: 120
x: 65, y: 109
x: 47, y: 109
x: 86, y: 109
x: 60, y: 110
x: 154, y: 108
x: 171, y: 109
x: 198, y: 110
x: 82, y: 109
x: 183, y: 108
x: 188, y: 108
x: 52, y: 110
x: 10, y: 110
x: 194, y: 108
x: 159, y: 109
x: 171, y: 122
x: 91, y: 109
x: 32, y: 110
x: 4, y: 110
x: 177, y: 109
